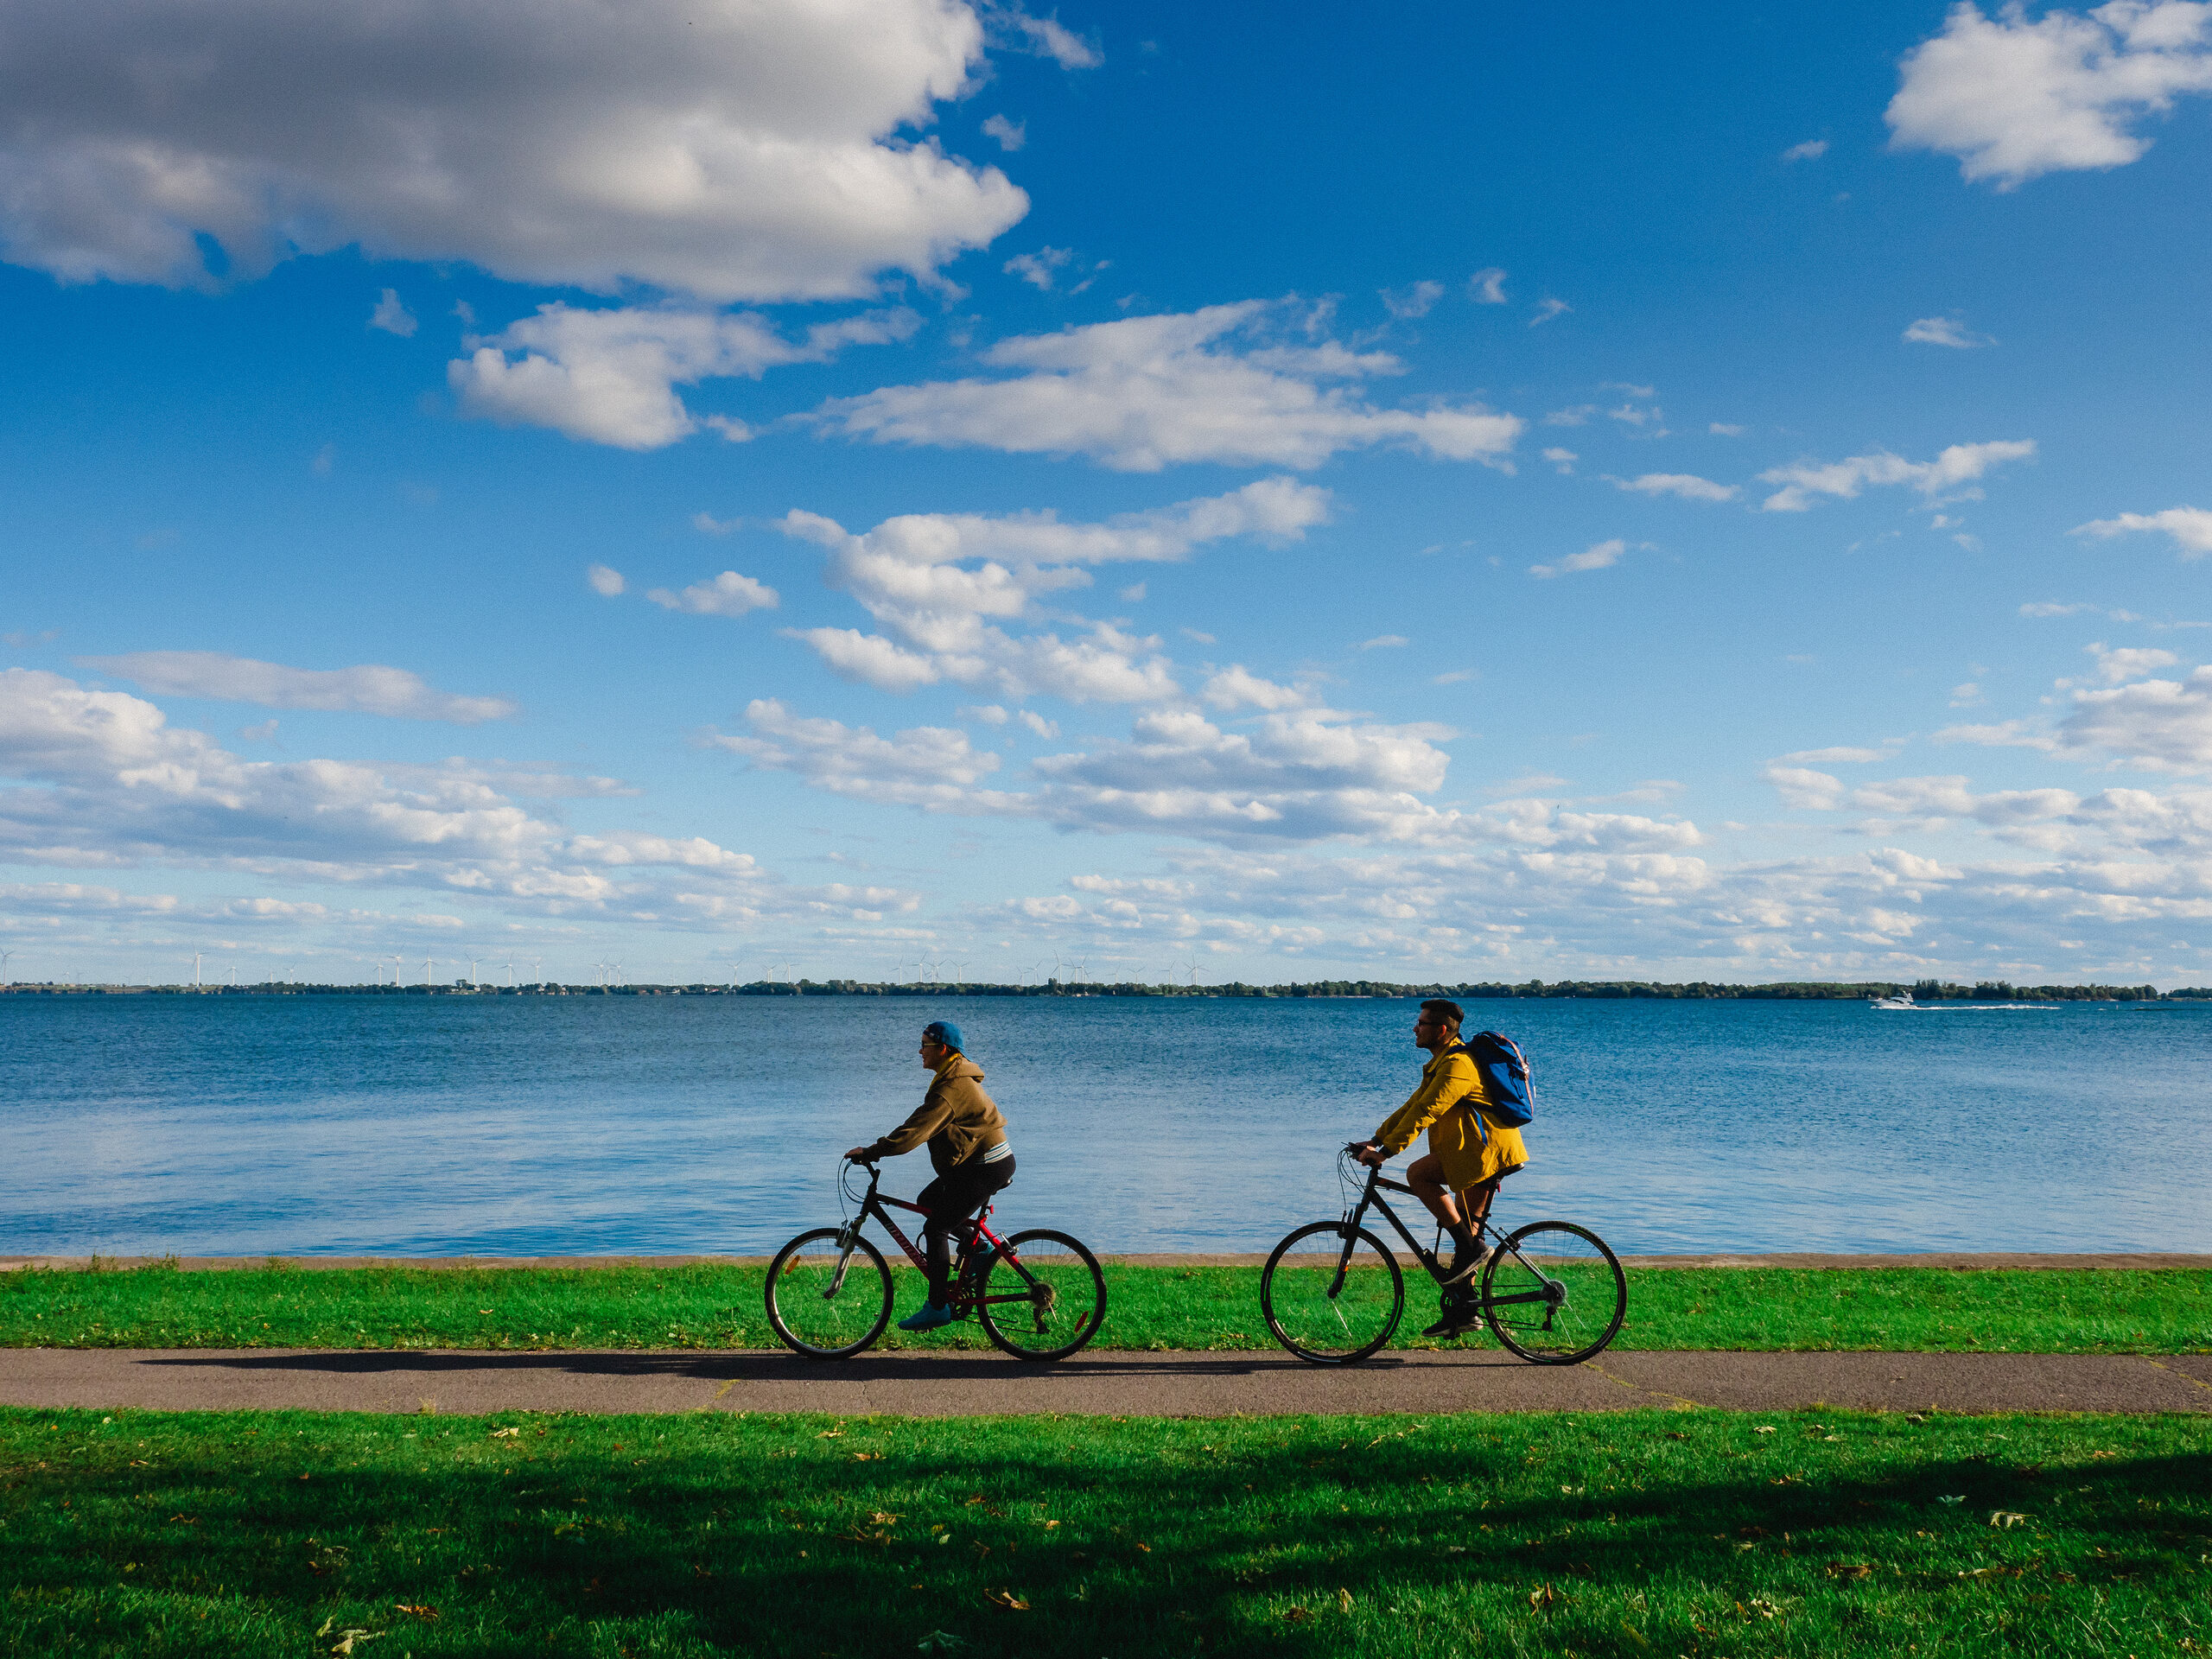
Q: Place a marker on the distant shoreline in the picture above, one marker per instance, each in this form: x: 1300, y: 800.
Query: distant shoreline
x: 1924, y: 991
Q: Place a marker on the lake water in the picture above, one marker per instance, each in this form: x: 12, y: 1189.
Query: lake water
x: 520, y: 1126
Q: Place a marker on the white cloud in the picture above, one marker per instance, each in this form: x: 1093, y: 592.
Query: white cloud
x: 1487, y: 287
x: 1968, y: 696
x: 605, y: 580
x: 1845, y: 755
x: 1564, y: 460
x: 2130, y: 663
x: 1384, y: 642
x: 990, y: 713
x: 1576, y: 417
x: 1132, y: 594
x: 1959, y: 465
x: 2190, y: 527
x: 1236, y: 687
x: 1598, y: 556
x: 1011, y: 135
x: 1811, y: 151
x: 393, y: 317
x: 1220, y: 385
x: 727, y: 594
x: 933, y: 579
x: 368, y: 689
x: 2158, y: 725
x: 1045, y: 36
x: 1548, y: 308
x: 1945, y: 331
x: 2014, y: 98
x: 1036, y: 269
x: 931, y: 766
x: 1415, y: 300
x: 1803, y: 788
x: 116, y: 786
x: 1037, y: 723
x: 610, y: 377
x: 729, y: 149
x: 1687, y: 485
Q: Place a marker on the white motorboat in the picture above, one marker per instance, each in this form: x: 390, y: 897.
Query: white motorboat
x: 1902, y: 999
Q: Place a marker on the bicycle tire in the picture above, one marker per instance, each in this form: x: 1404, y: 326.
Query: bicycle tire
x: 810, y: 1322
x: 1300, y: 1312
x: 1584, y: 1275
x: 1067, y: 1299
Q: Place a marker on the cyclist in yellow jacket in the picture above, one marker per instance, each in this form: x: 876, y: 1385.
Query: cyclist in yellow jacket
x: 1466, y: 1149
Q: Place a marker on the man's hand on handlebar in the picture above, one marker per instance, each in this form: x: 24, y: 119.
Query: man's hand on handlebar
x: 859, y: 1155
x: 1368, y: 1153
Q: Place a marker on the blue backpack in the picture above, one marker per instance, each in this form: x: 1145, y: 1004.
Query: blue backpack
x: 1506, y: 1082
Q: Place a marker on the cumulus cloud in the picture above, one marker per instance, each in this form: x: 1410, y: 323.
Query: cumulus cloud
x: 2190, y: 527
x: 1236, y: 687
x: 1487, y: 287
x: 1011, y: 135
x: 1945, y: 331
x: 610, y: 377
x: 2014, y: 98
x: 942, y: 581
x: 1563, y: 460
x: 1037, y: 268
x: 1236, y: 383
x: 2158, y: 725
x: 1548, y: 308
x: 1598, y: 556
x: 392, y: 316
x: 931, y: 766
x: 1687, y: 485
x: 605, y: 580
x: 727, y: 594
x: 1811, y: 151
x: 1414, y: 300
x: 1956, y: 469
x: 1043, y: 36
x: 368, y: 689
x: 728, y: 150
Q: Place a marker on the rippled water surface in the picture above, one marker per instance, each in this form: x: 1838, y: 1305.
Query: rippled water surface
x: 545, y: 1125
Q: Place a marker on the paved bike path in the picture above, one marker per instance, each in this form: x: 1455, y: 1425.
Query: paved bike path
x: 1107, y: 1383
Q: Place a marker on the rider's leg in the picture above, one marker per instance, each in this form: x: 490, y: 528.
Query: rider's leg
x: 1425, y: 1176
x: 951, y: 1198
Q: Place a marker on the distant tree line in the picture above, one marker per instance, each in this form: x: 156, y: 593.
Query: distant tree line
x: 1926, y: 990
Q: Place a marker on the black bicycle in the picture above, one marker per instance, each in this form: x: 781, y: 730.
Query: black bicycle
x: 1332, y: 1294
x: 1039, y: 1294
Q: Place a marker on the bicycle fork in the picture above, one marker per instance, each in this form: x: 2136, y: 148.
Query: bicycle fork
x: 846, y: 1238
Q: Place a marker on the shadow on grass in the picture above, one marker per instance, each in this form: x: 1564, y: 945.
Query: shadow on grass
x: 771, y: 1538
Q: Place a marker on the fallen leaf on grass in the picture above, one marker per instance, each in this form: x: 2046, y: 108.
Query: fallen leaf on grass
x: 1299, y: 1615
x: 868, y: 1456
x: 1543, y: 1599
x: 348, y: 1638
x: 831, y: 1434
x: 880, y: 1518
x: 2005, y: 1519
x: 1008, y: 1599
x: 1764, y: 1429
x: 1961, y: 1498
x: 1146, y: 1547
x: 1851, y: 1570
x: 420, y: 1610
x: 1343, y: 1601
x: 504, y: 1433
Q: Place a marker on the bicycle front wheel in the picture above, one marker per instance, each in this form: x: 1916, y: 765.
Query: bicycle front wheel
x: 827, y: 1302
x: 1554, y: 1293
x: 1042, y: 1296
x: 1329, y: 1305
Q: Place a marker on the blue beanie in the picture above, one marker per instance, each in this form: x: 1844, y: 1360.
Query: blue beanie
x: 943, y: 1031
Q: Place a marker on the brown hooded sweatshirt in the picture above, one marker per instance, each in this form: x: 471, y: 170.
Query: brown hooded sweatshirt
x: 958, y: 1120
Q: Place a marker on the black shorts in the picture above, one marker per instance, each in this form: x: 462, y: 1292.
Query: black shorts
x: 962, y: 1190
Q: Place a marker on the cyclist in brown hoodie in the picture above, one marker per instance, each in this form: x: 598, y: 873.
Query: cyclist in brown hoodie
x: 968, y: 1148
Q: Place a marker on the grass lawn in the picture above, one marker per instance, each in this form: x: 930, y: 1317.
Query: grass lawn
x: 1924, y: 1309
x: 1675, y: 1533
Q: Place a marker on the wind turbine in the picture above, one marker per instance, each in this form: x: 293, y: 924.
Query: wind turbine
x: 473, y: 961
x: 397, y: 961
x: 536, y: 978
x: 5, y: 957
x: 602, y: 967
x: 195, y: 970
x: 427, y: 961
x: 510, y: 965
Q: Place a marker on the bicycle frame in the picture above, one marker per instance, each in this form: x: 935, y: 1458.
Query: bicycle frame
x: 875, y: 1205
x: 1371, y: 1196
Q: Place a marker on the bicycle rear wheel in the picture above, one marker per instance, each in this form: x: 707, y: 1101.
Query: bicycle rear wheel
x: 1063, y: 1296
x: 1325, y: 1316
x: 1563, y: 1292
x: 824, y: 1302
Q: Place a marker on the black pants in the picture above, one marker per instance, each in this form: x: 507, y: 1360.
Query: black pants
x: 952, y: 1197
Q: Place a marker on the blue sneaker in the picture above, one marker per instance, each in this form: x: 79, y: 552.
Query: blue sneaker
x: 928, y: 1317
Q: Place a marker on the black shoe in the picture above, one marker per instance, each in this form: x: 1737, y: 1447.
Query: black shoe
x: 1456, y: 1322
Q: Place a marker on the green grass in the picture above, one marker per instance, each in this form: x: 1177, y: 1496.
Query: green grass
x: 1676, y: 1534
x: 1924, y: 1309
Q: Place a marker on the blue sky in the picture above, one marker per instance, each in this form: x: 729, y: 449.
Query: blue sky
x: 887, y: 487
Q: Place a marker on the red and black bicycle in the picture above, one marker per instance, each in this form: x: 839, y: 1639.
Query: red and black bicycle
x: 1038, y: 1295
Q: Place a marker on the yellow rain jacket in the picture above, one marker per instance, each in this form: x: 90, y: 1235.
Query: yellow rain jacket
x: 1448, y: 1104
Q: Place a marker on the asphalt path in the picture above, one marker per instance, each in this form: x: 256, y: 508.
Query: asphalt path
x: 1113, y: 1384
